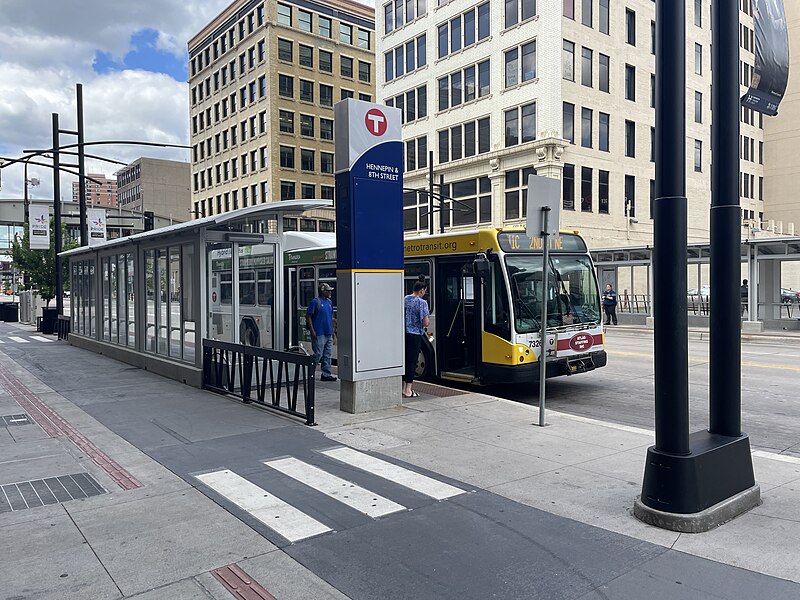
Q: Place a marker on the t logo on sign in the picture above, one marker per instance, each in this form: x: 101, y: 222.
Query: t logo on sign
x: 375, y: 121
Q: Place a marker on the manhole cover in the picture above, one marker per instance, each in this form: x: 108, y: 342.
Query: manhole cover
x: 16, y: 420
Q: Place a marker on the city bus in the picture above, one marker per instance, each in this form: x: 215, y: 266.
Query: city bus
x: 485, y: 297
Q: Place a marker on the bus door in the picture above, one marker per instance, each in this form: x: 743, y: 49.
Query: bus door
x: 457, y: 349
x: 292, y: 331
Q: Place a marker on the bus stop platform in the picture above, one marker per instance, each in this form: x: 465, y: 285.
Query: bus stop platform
x: 119, y: 483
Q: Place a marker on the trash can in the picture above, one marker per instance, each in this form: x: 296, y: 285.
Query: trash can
x: 49, y: 320
x: 11, y: 313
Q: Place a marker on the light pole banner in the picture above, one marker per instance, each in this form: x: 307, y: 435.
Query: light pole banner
x: 39, y: 227
x: 771, y: 72
x: 97, y: 225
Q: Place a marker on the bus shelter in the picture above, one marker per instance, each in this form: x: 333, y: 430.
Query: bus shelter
x: 152, y: 298
x: 770, y: 265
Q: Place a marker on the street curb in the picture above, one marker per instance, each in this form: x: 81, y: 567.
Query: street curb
x: 757, y: 338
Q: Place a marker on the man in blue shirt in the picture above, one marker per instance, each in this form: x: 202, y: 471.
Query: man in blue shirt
x: 319, y: 318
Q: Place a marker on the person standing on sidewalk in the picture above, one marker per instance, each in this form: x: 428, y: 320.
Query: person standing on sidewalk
x: 610, y: 304
x: 319, y: 318
x: 744, y: 293
x: 417, y: 319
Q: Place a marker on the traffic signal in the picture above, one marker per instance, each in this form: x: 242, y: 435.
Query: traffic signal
x: 148, y: 220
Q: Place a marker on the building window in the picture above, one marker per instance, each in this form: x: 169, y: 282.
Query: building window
x: 586, y: 127
x: 346, y: 33
x: 287, y: 190
x: 604, y: 16
x: 698, y: 59
x: 604, y: 120
x: 286, y: 121
x: 306, y: 90
x: 698, y: 13
x: 568, y: 186
x: 325, y: 61
x: 364, y: 71
x: 698, y: 156
x: 307, y: 125
x: 569, y: 9
x: 284, y: 16
x: 630, y: 196
x: 326, y: 163
x: 602, y: 192
x: 306, y: 160
x: 306, y: 56
x: 363, y: 39
x: 286, y: 86
x: 304, y: 20
x: 327, y: 193
x: 603, y: 61
x: 630, y: 27
x: 568, y: 59
x: 511, y: 127
x: 287, y: 157
x: 586, y: 189
x: 346, y: 69
x: 325, y: 95
x: 516, y: 183
x: 586, y: 12
x: 325, y: 29
x: 586, y: 67
x: 568, y: 122
x: 325, y: 129
x: 698, y: 107
x: 630, y: 83
x: 630, y: 139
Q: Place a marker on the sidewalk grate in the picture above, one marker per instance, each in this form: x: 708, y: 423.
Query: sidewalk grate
x: 53, y: 490
x: 12, y: 420
x: 437, y: 390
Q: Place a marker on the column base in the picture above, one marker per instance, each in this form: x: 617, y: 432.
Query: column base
x: 370, y: 394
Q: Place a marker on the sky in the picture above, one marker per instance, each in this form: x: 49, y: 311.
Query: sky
x: 131, y: 59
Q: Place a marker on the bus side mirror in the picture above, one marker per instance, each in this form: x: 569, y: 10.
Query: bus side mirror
x: 481, y: 267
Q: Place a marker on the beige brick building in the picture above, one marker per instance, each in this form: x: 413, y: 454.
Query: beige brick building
x: 103, y: 194
x: 157, y: 185
x: 782, y: 161
x: 263, y: 79
x: 497, y: 90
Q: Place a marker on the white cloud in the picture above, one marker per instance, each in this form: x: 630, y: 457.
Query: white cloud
x: 47, y: 46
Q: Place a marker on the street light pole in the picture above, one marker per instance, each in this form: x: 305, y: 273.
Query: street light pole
x: 57, y: 217
x: 81, y: 169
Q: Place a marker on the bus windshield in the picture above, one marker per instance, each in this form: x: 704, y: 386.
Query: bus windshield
x: 572, y: 296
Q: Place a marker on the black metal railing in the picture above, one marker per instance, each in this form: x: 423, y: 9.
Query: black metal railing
x: 633, y: 303
x: 278, y: 380
x: 63, y: 327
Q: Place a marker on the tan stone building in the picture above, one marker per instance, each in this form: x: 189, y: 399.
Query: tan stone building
x: 157, y: 185
x: 497, y: 90
x: 263, y: 79
x: 103, y: 194
x: 781, y: 133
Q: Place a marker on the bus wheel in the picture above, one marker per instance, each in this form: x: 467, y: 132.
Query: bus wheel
x: 249, y: 335
x: 424, y: 362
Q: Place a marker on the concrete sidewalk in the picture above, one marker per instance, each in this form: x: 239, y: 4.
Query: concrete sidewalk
x: 149, y: 532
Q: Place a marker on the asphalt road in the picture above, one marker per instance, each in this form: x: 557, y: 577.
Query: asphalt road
x: 623, y: 391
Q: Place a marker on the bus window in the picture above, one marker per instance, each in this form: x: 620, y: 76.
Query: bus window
x: 328, y: 275
x: 225, y: 287
x: 265, y: 288
x: 495, y: 303
x: 411, y: 275
x: 247, y: 288
x: 307, y: 290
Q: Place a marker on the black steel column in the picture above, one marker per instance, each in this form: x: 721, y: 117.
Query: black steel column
x: 669, y: 233
x: 81, y: 169
x: 57, y: 216
x: 726, y: 322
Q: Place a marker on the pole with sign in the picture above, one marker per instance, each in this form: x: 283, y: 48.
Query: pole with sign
x: 39, y: 227
x: 96, y: 218
x: 369, y: 254
x: 544, y: 214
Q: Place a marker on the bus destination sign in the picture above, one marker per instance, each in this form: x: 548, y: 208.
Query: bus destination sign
x: 518, y: 241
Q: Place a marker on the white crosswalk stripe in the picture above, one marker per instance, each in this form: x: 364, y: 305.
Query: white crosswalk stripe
x: 276, y: 514
x: 2, y: 342
x: 399, y: 475
x: 19, y: 340
x: 40, y: 338
x: 348, y: 493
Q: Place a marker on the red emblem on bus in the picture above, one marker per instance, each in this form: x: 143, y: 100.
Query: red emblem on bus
x: 376, y: 122
x: 581, y: 342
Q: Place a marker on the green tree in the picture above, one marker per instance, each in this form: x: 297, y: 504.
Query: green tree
x: 40, y: 265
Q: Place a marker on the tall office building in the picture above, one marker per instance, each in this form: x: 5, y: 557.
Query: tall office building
x: 494, y: 90
x: 157, y: 185
x: 263, y: 79
x: 102, y: 194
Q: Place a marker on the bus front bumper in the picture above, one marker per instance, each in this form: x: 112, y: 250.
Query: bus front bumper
x: 494, y: 374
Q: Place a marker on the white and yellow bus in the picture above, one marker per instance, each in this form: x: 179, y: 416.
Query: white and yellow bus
x: 485, y: 298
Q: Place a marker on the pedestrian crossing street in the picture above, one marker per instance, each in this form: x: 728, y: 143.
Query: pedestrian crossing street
x: 295, y: 525
x: 18, y: 339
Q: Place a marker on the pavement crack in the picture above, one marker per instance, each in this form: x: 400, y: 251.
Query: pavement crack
x: 99, y: 560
